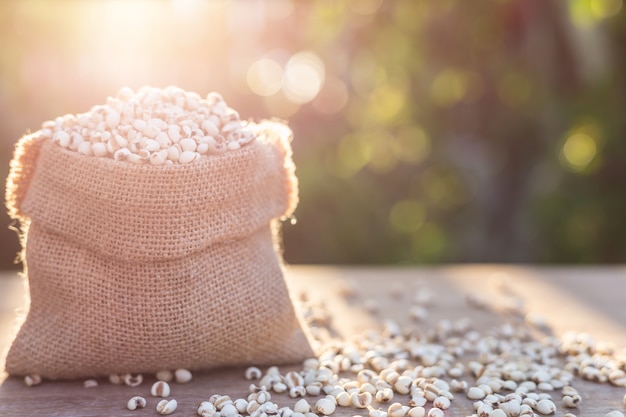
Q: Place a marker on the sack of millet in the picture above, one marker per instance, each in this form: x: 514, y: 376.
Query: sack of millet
x: 150, y: 239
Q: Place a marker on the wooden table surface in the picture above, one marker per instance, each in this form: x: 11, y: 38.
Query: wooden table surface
x: 583, y: 299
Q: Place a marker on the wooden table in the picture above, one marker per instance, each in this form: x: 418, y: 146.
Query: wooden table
x: 586, y: 299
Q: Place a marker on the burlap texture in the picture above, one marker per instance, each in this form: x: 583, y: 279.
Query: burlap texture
x: 137, y: 268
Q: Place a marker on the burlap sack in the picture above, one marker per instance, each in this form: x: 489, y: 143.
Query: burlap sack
x: 138, y: 268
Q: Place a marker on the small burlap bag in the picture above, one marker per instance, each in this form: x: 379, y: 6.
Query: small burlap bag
x: 138, y: 268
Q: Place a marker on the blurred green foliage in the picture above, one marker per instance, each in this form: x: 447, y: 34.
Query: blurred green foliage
x: 458, y: 142
x: 444, y: 131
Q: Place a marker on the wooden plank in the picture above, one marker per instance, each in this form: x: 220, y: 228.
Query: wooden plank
x: 582, y: 299
x: 13, y: 300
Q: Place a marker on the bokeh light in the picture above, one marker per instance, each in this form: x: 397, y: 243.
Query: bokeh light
x: 304, y: 76
x: 407, y: 216
x: 587, y: 13
x: 606, y: 8
x: 354, y: 152
x: 386, y: 102
x: 449, y: 87
x: 578, y: 151
x: 265, y: 77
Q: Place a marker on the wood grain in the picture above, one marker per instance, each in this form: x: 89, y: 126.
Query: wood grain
x: 582, y: 299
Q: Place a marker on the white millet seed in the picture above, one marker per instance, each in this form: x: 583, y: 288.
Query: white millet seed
x: 285, y: 412
x: 253, y: 396
x: 160, y: 389
x: 544, y: 396
x: 377, y: 413
x: 241, y: 405
x: 182, y: 376
x: 166, y: 407
x: 545, y: 406
x: 368, y: 387
x: 384, y: 395
x: 344, y: 399
x: 545, y: 386
x: 381, y: 385
x: 389, y: 375
x: 497, y: 413
x: 262, y: 397
x: 253, y: 373
x: 133, y: 380
x: 361, y: 400
x: 510, y: 385
x: 233, y: 146
x: 397, y: 410
x: 366, y: 375
x: 486, y: 388
x: 313, y: 389
x: 475, y: 393
x: 351, y: 386
x: 252, y: 407
x: 526, y: 410
x: 435, y: 412
x: 403, y: 384
x: 458, y: 386
x: 222, y: 400
x: 325, y: 406
x: 511, y: 408
x: 512, y: 397
x: 332, y: 398
x: 298, y: 391
x: 294, y: 379
x: 90, y: 383
x: 572, y: 401
x: 614, y: 413
x: 229, y: 410
x: 135, y: 403
x: 310, y: 364
x: 417, y: 401
x: 484, y: 410
x: 417, y: 412
x: 62, y: 138
x: 120, y: 124
x: 32, y: 380
x: 492, y: 399
x: 455, y: 372
x: 165, y: 375
x: 447, y: 394
x: 442, y: 402
x: 530, y: 402
x: 280, y: 387
x: 302, y: 406
x: 116, y: 379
